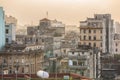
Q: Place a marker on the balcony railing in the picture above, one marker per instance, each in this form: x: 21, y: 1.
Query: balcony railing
x: 78, y: 57
x: 78, y: 67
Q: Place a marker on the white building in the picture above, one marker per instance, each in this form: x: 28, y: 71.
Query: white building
x: 85, y: 62
x: 10, y: 33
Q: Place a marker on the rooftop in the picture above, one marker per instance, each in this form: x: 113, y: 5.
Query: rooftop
x: 44, y: 19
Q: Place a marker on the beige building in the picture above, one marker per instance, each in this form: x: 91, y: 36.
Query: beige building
x: 97, y: 32
x: 91, y: 33
x: 15, y: 59
x: 10, y: 20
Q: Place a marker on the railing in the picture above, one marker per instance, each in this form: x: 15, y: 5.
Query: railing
x: 78, y: 57
x: 78, y: 67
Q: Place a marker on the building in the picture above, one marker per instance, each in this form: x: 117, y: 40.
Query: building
x: 57, y: 46
x: 69, y: 28
x: 117, y: 27
x: 55, y: 23
x: 84, y: 61
x: 21, y: 59
x: 116, y: 44
x: 97, y: 32
x: 91, y: 33
x: 44, y: 23
x: 10, y: 20
x: 2, y: 29
x: 10, y: 33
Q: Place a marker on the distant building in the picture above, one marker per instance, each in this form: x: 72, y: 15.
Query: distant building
x: 97, y: 32
x: 21, y: 58
x: 117, y: 27
x: 55, y: 23
x: 10, y: 20
x: 69, y: 28
x: 10, y: 33
x: 31, y: 30
x: 46, y: 33
x: 21, y: 39
x: 2, y: 29
x: 116, y: 44
x: 57, y: 46
x: 44, y: 23
x: 84, y: 61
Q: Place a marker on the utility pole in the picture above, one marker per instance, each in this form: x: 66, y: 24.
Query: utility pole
x: 29, y: 63
x: 2, y: 68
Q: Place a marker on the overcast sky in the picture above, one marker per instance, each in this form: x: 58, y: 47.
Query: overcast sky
x: 67, y: 11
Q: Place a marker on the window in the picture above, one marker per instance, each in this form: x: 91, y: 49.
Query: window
x: 80, y: 31
x: 82, y: 52
x: 94, y: 37
x: 90, y: 53
x: 116, y: 50
x: 80, y: 63
x: 89, y: 37
x: 84, y: 31
x: 72, y: 53
x: 74, y: 62
x: 101, y: 44
x: 80, y: 37
x: 89, y: 31
x: 64, y: 51
x: 100, y: 31
x: 89, y: 44
x: 84, y: 43
x: 7, y: 31
x: 94, y: 45
x: 42, y: 40
x: 7, y: 40
x: 116, y: 44
x: 94, y: 31
x: 101, y: 37
x: 84, y: 37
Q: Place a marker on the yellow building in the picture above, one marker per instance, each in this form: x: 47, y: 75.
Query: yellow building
x: 91, y: 34
x: 97, y: 32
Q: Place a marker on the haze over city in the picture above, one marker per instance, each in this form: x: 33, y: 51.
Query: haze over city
x: 67, y: 11
x: 59, y: 40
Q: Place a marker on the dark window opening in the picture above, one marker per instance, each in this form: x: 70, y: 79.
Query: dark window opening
x: 7, y: 31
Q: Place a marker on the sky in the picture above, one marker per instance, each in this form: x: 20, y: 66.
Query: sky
x: 70, y: 12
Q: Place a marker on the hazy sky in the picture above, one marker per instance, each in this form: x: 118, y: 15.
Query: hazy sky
x: 67, y: 11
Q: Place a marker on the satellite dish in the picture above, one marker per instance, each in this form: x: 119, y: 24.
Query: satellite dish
x: 43, y: 74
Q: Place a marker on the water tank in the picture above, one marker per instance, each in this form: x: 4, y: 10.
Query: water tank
x: 43, y: 74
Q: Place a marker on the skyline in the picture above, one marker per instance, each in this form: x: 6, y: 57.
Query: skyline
x: 68, y: 11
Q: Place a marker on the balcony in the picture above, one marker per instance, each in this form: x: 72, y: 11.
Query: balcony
x: 78, y: 67
x: 78, y: 57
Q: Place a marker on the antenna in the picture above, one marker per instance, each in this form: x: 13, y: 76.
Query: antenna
x: 47, y: 14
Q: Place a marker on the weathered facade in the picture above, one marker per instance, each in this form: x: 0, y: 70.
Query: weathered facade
x: 15, y: 59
